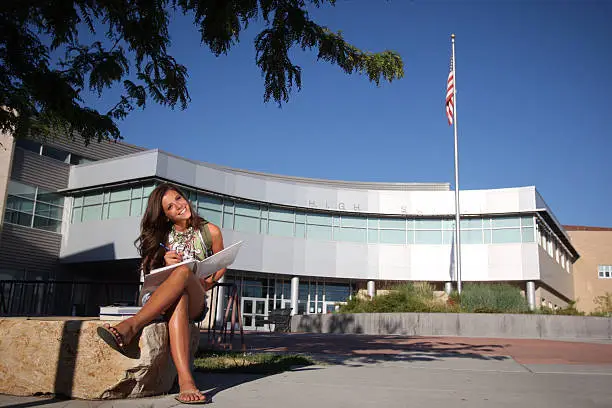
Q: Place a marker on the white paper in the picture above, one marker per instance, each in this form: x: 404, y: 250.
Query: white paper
x: 203, y: 269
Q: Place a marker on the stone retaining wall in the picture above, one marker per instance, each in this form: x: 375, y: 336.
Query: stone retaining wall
x: 458, y: 324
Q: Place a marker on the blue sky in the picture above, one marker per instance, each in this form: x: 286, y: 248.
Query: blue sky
x: 532, y: 82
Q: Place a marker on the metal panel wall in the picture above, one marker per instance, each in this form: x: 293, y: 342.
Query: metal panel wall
x: 35, y: 170
x: 27, y: 249
x: 95, y: 150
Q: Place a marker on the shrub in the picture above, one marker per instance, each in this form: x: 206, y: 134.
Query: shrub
x: 492, y: 298
x: 407, y: 297
x: 604, y: 304
x: 569, y: 310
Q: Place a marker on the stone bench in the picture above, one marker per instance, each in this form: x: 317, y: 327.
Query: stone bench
x: 67, y: 357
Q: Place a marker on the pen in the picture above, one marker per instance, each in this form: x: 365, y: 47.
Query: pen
x: 165, y: 247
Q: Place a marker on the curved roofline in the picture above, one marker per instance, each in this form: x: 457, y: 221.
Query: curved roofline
x: 359, y: 185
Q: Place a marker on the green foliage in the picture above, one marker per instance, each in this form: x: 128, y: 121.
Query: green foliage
x: 569, y: 310
x: 604, y: 304
x: 492, y: 298
x: 407, y: 297
x: 238, y: 362
x: 50, y: 52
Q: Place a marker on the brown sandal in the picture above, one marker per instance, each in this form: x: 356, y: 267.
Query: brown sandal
x: 113, y: 338
x: 194, y: 402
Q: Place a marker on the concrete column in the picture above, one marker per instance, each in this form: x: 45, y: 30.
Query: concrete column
x: 531, y: 297
x: 295, y: 292
x: 448, y: 287
x: 219, y: 315
x: 371, y: 289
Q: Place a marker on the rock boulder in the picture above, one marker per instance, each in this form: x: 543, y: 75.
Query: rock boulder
x: 68, y: 357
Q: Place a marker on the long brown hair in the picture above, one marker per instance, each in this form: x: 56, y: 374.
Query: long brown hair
x: 155, y: 227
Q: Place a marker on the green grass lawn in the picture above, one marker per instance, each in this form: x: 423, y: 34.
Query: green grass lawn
x: 251, y: 363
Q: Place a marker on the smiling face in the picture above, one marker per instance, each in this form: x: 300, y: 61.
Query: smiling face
x: 176, y: 208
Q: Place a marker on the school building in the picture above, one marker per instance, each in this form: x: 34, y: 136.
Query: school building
x: 71, y: 214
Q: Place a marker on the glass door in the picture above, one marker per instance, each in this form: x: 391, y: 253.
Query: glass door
x: 254, y: 310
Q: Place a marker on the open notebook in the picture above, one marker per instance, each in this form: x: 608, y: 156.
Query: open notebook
x: 203, y: 269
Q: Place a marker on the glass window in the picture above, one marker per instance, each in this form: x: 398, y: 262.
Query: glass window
x: 350, y: 234
x: 337, y: 292
x: 372, y: 223
x: 321, y: 232
x: 57, y: 154
x: 281, y: 214
x: 76, y: 159
x: 428, y: 237
x: 49, y: 211
x: 92, y: 212
x: 264, y: 226
x: 356, y: 222
x: 527, y: 221
x: 505, y: 222
x: 136, y: 207
x: 393, y: 223
x: 605, y: 271
x: 210, y: 202
x: 300, y: 217
x: 20, y: 204
x: 78, y: 201
x: 280, y: 228
x: 449, y: 224
x: 91, y: 199
x: 448, y: 237
x: 211, y: 215
x: 429, y: 225
x: 118, y: 209
x: 50, y: 198
x: 527, y: 234
x: 471, y: 223
x: 19, y: 218
x: 471, y: 236
x: 507, y: 235
x: 319, y: 219
x: 392, y: 236
x: 247, y: 209
x: 23, y: 200
x: 228, y: 220
x: 246, y: 224
x: 77, y: 213
x: 137, y: 192
x: 48, y: 224
x: 146, y: 190
x: 372, y: 236
x: 300, y: 231
x: 120, y: 195
x: 21, y: 190
x: 28, y: 145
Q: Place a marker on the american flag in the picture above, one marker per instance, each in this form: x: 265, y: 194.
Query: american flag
x: 450, y: 94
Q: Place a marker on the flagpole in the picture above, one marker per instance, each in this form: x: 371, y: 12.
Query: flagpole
x: 457, y: 218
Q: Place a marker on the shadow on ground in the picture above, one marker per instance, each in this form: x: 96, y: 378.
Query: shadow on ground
x: 353, y: 349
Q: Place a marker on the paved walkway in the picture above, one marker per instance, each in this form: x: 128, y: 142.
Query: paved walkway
x: 395, y: 371
x: 340, y: 346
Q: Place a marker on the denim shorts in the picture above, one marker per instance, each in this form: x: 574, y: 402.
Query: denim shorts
x: 146, y: 293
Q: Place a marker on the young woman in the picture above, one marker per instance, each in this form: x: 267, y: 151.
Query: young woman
x: 170, y: 232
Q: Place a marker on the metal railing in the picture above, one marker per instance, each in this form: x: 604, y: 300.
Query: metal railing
x: 63, y: 298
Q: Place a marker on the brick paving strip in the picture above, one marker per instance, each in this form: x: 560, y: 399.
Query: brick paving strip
x: 523, y: 351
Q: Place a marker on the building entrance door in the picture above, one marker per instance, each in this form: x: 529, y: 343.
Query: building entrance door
x: 253, y: 309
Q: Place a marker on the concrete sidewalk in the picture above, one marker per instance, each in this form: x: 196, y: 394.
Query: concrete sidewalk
x: 400, y: 376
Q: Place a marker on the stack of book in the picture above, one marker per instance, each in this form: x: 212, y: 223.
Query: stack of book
x: 117, y: 312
